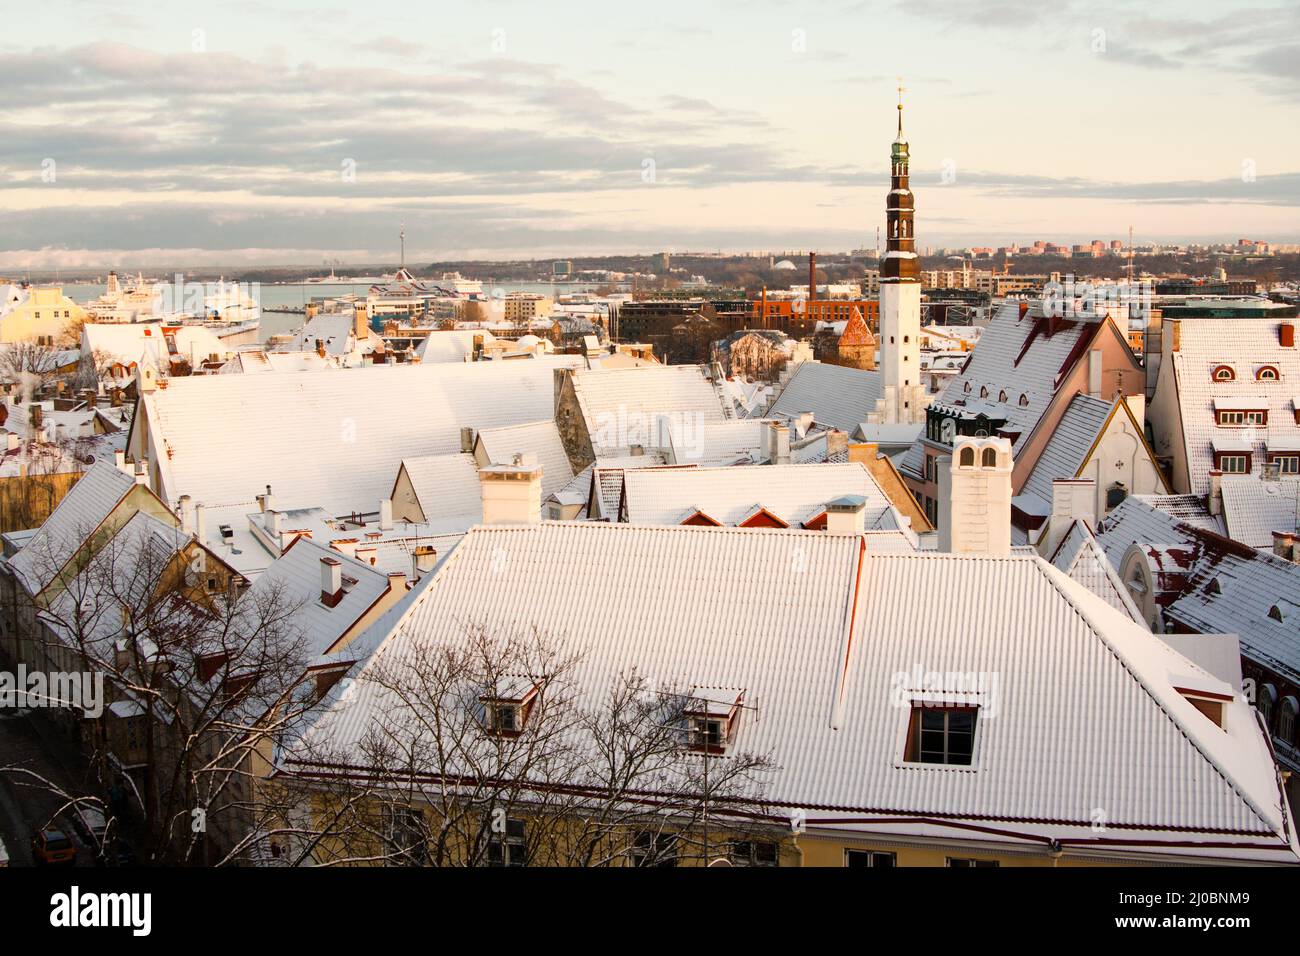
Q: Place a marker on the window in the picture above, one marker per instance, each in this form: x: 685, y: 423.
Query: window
x: 1024, y: 401
x: 869, y: 858
x: 508, y: 848
x: 406, y: 837
x: 989, y: 458
x: 1002, y: 395
x: 984, y: 392
x: 503, y: 718
x: 707, y: 733
x: 1267, y: 373
x: 941, y: 735
x: 1267, y: 701
x: 654, y: 849
x: 752, y: 853
x: 1286, y: 721
x: 968, y: 861
x: 1287, y: 464
x: 507, y: 708
x: 1232, y: 464
x: 1257, y: 417
x: 1224, y: 373
x: 966, y: 387
x: 1275, y: 613
x: 967, y: 457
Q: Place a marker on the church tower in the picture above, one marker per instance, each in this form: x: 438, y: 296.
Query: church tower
x: 902, y: 395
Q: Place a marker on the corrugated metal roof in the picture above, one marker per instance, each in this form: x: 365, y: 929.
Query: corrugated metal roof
x: 794, y: 493
x: 623, y: 406
x: 540, y: 439
x: 839, y: 397
x: 1082, y: 559
x: 329, y: 438
x: 1254, y: 508
x: 447, y: 487
x: 1063, y: 455
x: 1079, y: 716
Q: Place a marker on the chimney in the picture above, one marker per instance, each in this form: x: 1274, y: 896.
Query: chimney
x: 1073, y: 499
x: 14, y: 441
x: 185, y: 510
x: 512, y: 494
x: 863, y: 452
x: 37, y: 417
x: 975, y: 497
x: 778, y: 446
x: 266, y: 502
x: 146, y: 379
x: 1214, y: 500
x: 846, y: 515
x: 200, y: 523
x: 396, y: 581
x: 423, y: 560
x: 1284, y: 546
x: 466, y: 441
x: 837, y: 442
x: 119, y: 459
x: 812, y: 280
x: 142, y: 471
x: 331, y: 581
x: 347, y: 546
x: 803, y: 421
x: 273, y: 522
x: 1286, y: 334
x: 1094, y: 372
x: 386, y: 514
x: 360, y: 324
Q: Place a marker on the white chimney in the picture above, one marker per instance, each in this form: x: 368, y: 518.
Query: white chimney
x: 778, y: 444
x: 14, y: 441
x: 273, y: 522
x: 142, y: 471
x: 396, y: 581
x: 1285, y: 545
x: 1214, y: 501
x: 1073, y: 499
x: 846, y: 515
x: 119, y: 459
x: 185, y: 510
x: 386, y: 514
x: 200, y: 523
x: 512, y: 494
x: 975, y: 497
x: 331, y: 580
x: 346, y: 546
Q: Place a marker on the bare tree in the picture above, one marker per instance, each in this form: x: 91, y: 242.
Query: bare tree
x: 491, y: 751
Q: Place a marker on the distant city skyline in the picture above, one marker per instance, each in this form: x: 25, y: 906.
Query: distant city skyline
x: 243, y: 134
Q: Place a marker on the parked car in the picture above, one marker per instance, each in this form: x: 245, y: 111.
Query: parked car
x: 91, y: 827
x: 53, y: 847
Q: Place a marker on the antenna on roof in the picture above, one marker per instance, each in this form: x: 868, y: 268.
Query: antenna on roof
x: 402, y: 236
x: 1130, y: 256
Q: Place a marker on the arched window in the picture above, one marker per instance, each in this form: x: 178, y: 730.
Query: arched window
x: 984, y: 392
x: 1266, y: 704
x: 1267, y: 373
x: 966, y: 387
x: 1024, y: 401
x: 1224, y: 373
x: 990, y: 458
x: 1286, y: 720
x: 967, y: 457
x: 1002, y: 395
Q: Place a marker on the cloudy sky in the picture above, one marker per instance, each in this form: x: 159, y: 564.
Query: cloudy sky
x: 140, y: 133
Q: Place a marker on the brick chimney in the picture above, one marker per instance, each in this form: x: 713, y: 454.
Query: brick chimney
x: 360, y: 323
x: 1286, y: 545
x: 1286, y: 334
x: 512, y: 494
x: 975, y: 497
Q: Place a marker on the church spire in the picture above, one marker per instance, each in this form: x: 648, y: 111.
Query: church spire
x: 900, y: 263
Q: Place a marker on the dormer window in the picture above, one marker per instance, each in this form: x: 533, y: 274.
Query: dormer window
x: 1024, y: 401
x: 1214, y: 587
x: 507, y: 708
x: 1212, y: 705
x: 1267, y: 373
x: 941, y: 735
x: 966, y: 388
x: 712, y: 714
x: 1223, y: 373
x: 1002, y: 395
x: 984, y: 392
x: 1275, y: 613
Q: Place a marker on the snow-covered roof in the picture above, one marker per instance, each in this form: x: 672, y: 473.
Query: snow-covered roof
x: 1162, y: 519
x: 330, y: 438
x: 623, y: 406
x: 1254, y: 508
x: 451, y: 345
x: 824, y: 638
x: 1018, y: 355
x: 81, y: 511
x: 447, y: 488
x: 1081, y: 558
x: 793, y: 493
x: 1245, y: 346
x: 145, y: 343
x: 839, y: 397
x: 252, y: 360
x: 540, y: 439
